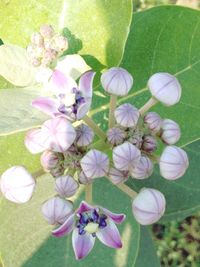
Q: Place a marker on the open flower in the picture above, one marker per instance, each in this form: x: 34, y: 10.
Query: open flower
x: 71, y: 101
x: 87, y: 223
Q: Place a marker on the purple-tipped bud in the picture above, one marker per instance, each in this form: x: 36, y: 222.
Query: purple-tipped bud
x: 153, y: 121
x: 61, y: 43
x: 170, y: 132
x: 149, y: 144
x: 117, y: 81
x: 59, y: 133
x: 56, y: 210
x: 95, y: 164
x: 148, y: 206
x: 84, y: 135
x: 143, y: 169
x: 37, y: 39
x: 117, y: 177
x: 57, y: 171
x: 127, y: 115
x: 83, y: 179
x: 47, y: 31
x: 116, y: 136
x: 66, y: 186
x: 34, y: 141
x: 17, y: 185
x: 173, y: 163
x: 126, y: 156
x: 165, y: 88
x: 49, y: 160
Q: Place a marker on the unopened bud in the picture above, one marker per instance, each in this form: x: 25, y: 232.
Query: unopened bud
x: 127, y: 115
x: 57, y: 171
x: 170, y: 133
x: 153, y: 121
x: 84, y: 135
x: 47, y: 31
x: 49, y: 160
x: 117, y: 177
x: 149, y: 144
x: 143, y: 169
x: 83, y: 179
x: 148, y: 206
x: 66, y: 186
x: 61, y: 43
x: 37, y: 39
x: 116, y: 136
x: 34, y: 141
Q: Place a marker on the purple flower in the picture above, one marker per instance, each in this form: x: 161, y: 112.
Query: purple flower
x: 87, y: 223
x: 71, y: 101
x: 127, y: 115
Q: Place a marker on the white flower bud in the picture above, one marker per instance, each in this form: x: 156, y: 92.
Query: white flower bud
x: 66, y: 186
x: 173, y: 163
x: 17, y: 185
x: 149, y: 144
x: 171, y: 132
x: 47, y: 31
x: 127, y: 115
x: 84, y: 135
x: 83, y: 179
x: 117, y: 81
x: 153, y: 121
x: 37, y: 39
x: 148, y: 206
x: 116, y: 136
x: 61, y: 43
x: 49, y: 160
x: 57, y: 171
x: 126, y: 156
x: 165, y: 88
x: 116, y: 176
x: 143, y: 169
x: 34, y: 141
x: 56, y: 210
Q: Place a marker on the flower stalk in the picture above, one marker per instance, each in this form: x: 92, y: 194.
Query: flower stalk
x: 95, y: 127
x: 127, y: 190
x: 149, y: 104
x: 113, y: 104
x: 88, y: 193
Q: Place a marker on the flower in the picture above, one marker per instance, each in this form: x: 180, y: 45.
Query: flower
x: 87, y: 223
x: 173, y: 162
x: 17, y: 185
x: 56, y: 210
x: 117, y: 177
x: 126, y: 156
x: 117, y: 81
x: 71, y: 101
x: 143, y: 169
x: 116, y: 136
x: 170, y: 133
x: 165, y: 88
x: 84, y: 135
x: 148, y: 206
x: 66, y: 186
x: 149, y: 143
x: 95, y: 164
x: 153, y: 121
x: 127, y: 115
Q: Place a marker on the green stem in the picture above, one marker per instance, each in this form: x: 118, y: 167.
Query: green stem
x: 95, y: 127
x: 88, y: 193
x: 113, y: 104
x: 150, y: 103
x: 127, y: 190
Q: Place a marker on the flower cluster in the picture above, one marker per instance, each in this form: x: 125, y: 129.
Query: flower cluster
x: 69, y: 154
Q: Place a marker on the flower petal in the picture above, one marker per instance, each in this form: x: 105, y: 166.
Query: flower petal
x: 110, y: 236
x: 85, y: 83
x: 83, y: 109
x: 82, y: 244
x: 61, y: 83
x: 117, y: 218
x: 47, y: 105
x: 65, y: 228
x: 84, y: 206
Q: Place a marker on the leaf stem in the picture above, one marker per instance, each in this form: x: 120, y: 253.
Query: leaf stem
x: 95, y: 127
x: 127, y: 190
x: 88, y: 193
x: 113, y: 104
x: 150, y: 103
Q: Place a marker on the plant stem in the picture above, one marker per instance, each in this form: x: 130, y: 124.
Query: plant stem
x: 113, y: 104
x: 95, y: 127
x: 127, y: 190
x: 88, y: 193
x: 150, y: 103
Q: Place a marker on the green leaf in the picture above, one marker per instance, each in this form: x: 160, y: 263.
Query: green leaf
x: 25, y: 239
x: 1, y: 42
x: 102, y: 26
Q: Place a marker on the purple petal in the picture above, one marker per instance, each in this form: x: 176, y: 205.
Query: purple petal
x: 85, y: 83
x: 83, y: 109
x: 110, y: 236
x: 84, y: 206
x: 62, y: 83
x: 82, y: 244
x: 46, y: 104
x: 65, y: 228
x: 117, y: 218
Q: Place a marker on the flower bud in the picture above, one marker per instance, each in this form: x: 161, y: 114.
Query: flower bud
x: 59, y: 133
x: 143, y: 169
x: 127, y: 115
x: 116, y: 136
x: 66, y: 186
x: 17, y: 184
x: 173, y: 163
x: 84, y: 135
x: 61, y: 43
x: 34, y: 141
x: 49, y: 160
x: 148, y: 206
x: 153, y: 121
x: 149, y: 144
x: 47, y: 31
x: 126, y: 156
x: 165, y: 88
x: 37, y: 39
x: 117, y: 177
x: 171, y: 132
x: 83, y: 179
x: 117, y: 81
x: 57, y: 171
x: 56, y: 210
x: 95, y: 164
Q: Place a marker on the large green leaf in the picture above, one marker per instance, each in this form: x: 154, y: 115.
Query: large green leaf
x: 102, y: 26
